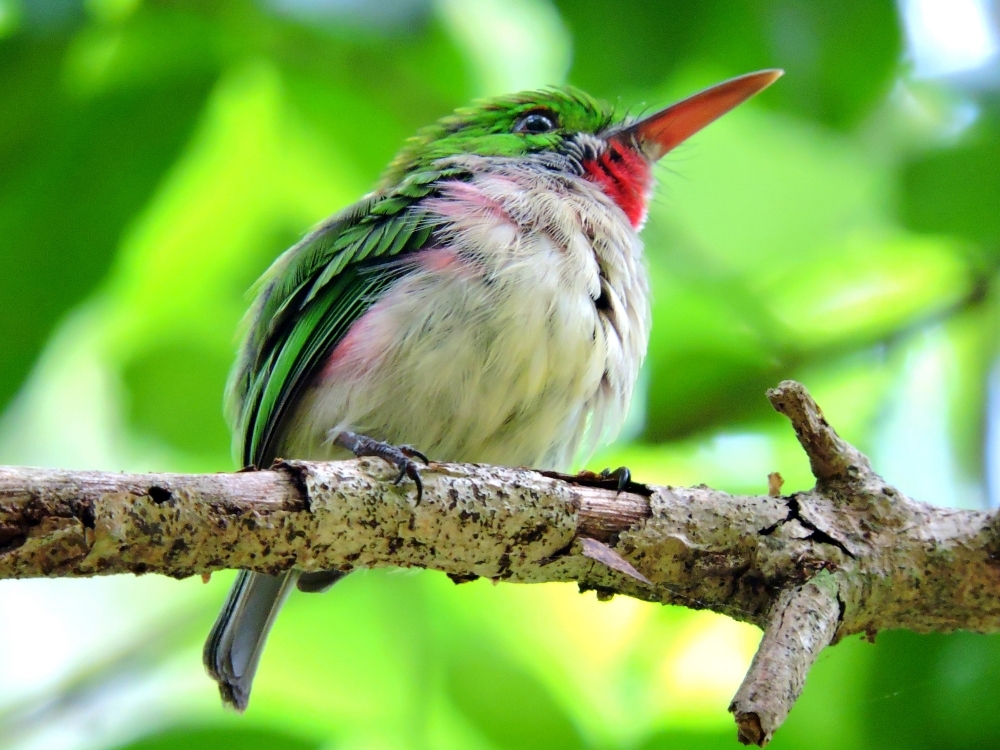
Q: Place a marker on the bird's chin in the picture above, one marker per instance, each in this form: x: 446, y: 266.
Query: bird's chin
x: 624, y: 174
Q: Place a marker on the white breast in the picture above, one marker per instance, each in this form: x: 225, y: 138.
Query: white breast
x: 493, y: 348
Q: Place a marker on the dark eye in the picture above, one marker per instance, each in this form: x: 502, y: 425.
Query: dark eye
x: 536, y: 122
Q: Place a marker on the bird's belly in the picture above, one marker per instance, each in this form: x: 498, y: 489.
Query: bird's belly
x: 522, y: 332
x: 463, y: 370
x: 500, y: 370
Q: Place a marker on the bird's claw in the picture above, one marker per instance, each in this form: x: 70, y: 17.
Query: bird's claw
x: 412, y: 452
x: 400, y: 456
x: 620, y: 480
x: 621, y: 474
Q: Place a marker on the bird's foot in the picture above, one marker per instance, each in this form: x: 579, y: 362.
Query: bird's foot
x: 619, y: 480
x: 621, y: 475
x: 400, y: 456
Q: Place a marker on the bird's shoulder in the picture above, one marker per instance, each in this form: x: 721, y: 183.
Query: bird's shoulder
x: 306, y: 301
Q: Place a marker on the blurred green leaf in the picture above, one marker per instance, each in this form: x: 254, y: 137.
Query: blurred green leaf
x: 626, y: 47
x: 974, y: 348
x: 674, y: 739
x: 358, y: 658
x: 508, y: 705
x: 73, y: 174
x: 371, y: 97
x: 829, y: 715
x: 934, y: 690
x: 840, y: 55
x: 222, y: 738
x: 957, y: 191
x: 175, y: 394
x: 711, y: 356
x: 864, y: 288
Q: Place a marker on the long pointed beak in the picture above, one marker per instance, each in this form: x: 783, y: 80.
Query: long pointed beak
x: 664, y: 130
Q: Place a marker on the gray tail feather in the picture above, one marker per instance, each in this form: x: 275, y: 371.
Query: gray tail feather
x: 236, y: 642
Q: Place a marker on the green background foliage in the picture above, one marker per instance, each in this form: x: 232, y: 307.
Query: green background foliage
x: 842, y: 229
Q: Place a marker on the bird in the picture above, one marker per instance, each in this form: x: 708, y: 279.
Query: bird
x: 487, y: 302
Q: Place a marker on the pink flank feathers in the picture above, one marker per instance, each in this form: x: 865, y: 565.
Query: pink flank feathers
x: 365, y: 342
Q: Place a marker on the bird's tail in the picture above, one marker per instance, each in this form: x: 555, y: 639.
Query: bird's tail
x: 236, y: 642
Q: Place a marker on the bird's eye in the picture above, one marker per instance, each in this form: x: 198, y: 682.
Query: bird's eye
x: 535, y: 123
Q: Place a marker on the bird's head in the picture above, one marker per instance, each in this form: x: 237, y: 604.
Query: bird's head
x: 583, y: 134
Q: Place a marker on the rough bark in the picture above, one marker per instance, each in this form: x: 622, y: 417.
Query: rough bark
x: 851, y: 555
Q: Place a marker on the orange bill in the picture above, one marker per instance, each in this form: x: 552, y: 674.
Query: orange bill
x: 662, y: 131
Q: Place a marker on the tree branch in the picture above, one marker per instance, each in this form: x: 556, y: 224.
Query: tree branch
x: 803, y: 622
x: 851, y: 555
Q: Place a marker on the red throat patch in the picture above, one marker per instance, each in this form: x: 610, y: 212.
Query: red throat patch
x: 625, y: 176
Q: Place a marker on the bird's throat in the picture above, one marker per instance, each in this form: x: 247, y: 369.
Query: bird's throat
x: 625, y: 176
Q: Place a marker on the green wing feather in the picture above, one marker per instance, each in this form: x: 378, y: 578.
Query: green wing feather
x: 308, y: 300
